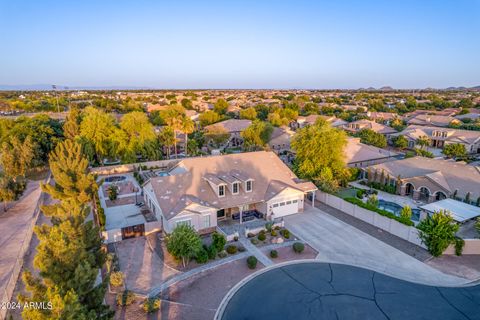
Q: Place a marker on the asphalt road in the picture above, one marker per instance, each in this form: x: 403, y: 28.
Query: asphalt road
x: 333, y: 291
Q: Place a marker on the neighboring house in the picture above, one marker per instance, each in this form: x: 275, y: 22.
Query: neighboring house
x: 233, y: 127
x: 386, y: 117
x: 449, y: 112
x: 360, y: 155
x: 472, y: 115
x: 203, y: 191
x: 461, y: 212
x: 356, y: 126
x: 432, y: 120
x: 192, y: 114
x: 428, y: 179
x: 439, y: 137
x: 303, y: 121
x: 280, y: 139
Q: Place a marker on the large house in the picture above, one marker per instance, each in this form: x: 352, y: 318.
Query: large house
x: 428, y: 179
x: 233, y: 127
x: 303, y: 121
x: 280, y: 139
x: 439, y: 137
x: 357, y: 126
x: 432, y: 120
x: 202, y: 191
x: 359, y: 155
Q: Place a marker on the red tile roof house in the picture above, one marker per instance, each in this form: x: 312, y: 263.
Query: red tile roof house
x: 356, y: 126
x: 203, y: 192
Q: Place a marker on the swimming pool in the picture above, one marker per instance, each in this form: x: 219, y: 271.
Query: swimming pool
x: 396, y: 208
x: 162, y: 174
x: 115, y: 179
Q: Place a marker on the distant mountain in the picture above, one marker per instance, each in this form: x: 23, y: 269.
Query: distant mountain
x: 386, y: 88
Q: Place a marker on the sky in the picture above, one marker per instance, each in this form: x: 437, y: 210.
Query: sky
x: 241, y: 44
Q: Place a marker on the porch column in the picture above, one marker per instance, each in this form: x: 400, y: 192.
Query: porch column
x: 241, y: 214
x: 313, y: 199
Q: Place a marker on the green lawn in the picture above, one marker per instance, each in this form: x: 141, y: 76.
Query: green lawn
x: 346, y: 193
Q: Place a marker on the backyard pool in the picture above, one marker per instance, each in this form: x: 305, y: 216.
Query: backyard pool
x: 115, y: 179
x: 162, y: 174
x: 395, y: 209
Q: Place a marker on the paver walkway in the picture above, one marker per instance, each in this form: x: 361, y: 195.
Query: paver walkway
x: 256, y: 252
x: 339, y: 242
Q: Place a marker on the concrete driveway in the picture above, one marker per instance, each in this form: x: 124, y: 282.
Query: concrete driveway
x: 339, y: 242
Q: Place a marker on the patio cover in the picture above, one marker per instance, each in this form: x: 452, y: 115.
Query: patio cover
x: 460, y: 211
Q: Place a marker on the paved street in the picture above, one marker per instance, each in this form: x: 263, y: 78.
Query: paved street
x: 332, y: 291
x: 13, y: 229
x: 339, y: 242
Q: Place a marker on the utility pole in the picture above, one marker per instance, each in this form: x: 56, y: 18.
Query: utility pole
x: 54, y: 87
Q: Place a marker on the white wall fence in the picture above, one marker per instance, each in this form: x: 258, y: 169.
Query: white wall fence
x: 411, y: 234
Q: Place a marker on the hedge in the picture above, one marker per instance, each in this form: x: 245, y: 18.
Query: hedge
x: 384, y: 213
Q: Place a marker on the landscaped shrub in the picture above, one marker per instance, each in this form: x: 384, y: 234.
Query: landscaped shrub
x: 274, y: 254
x: 111, y: 263
x: 125, y: 298
x: 459, y: 244
x: 252, y: 262
x: 235, y: 238
x: 298, y: 247
x: 212, y: 252
x: 250, y: 235
x: 231, y: 249
x: 151, y: 305
x: 241, y: 249
x: 273, y: 233
x: 360, y: 193
x: 278, y: 227
x: 116, y: 278
x: 268, y: 226
x: 262, y: 236
x: 222, y: 254
x: 438, y: 232
x: 254, y: 241
x: 112, y: 192
x: 219, y: 241
x: 202, y: 256
x: 379, y: 211
x: 285, y: 233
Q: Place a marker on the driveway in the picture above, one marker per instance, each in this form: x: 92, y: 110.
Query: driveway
x: 338, y: 242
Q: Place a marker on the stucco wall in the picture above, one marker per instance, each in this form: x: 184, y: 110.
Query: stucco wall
x: 472, y: 246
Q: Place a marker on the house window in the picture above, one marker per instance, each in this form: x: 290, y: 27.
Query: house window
x: 187, y: 222
x: 275, y: 205
x: 295, y: 201
x: 248, y: 185
x: 289, y: 202
x: 221, y: 191
x: 206, y: 221
x: 235, y: 188
x: 282, y: 204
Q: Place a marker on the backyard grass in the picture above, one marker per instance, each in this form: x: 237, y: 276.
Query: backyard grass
x: 346, y: 193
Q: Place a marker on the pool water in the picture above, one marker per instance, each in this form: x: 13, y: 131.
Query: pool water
x: 115, y: 179
x: 396, y: 209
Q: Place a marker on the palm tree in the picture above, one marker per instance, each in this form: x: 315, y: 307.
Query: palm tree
x: 167, y: 138
x: 423, y: 141
x: 176, y: 124
x: 187, y: 127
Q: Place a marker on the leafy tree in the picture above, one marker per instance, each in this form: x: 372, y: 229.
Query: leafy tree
x: 7, y: 191
x: 256, y: 135
x: 17, y: 157
x: 373, y: 138
x: 218, y: 241
x: 397, y: 124
x: 187, y: 103
x: 248, y: 113
x: 184, y: 243
x: 112, y: 192
x: 455, y: 150
x: 97, y: 128
x: 400, y: 142
x: 438, y: 232
x: 71, y: 127
x: 276, y: 120
x: 139, y: 136
x: 317, y: 147
x: 220, y: 106
x: 216, y: 136
x: 208, y: 117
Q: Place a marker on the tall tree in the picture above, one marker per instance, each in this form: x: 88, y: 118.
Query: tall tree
x: 98, y: 127
x: 71, y: 127
x: 187, y: 127
x: 139, y: 135
x: 17, y: 157
x: 167, y: 138
x: 256, y: 135
x: 220, y: 106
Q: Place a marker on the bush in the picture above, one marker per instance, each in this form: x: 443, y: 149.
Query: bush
x: 459, y: 244
x: 151, y: 305
x: 254, y: 241
x: 241, y: 249
x: 268, y: 226
x: 285, y: 233
x: 360, y: 193
x: 274, y: 254
x: 231, y: 249
x: 212, y: 252
x: 252, y: 262
x: 278, y: 227
x: 298, y: 247
x: 273, y: 233
x: 125, y: 298
x: 262, y: 236
x: 438, y: 232
x: 116, y: 278
x: 112, y: 192
x: 202, y: 256
x: 235, y: 238
x: 219, y: 241
x: 222, y: 254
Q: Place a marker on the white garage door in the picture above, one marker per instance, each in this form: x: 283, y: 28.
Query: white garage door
x: 284, y: 208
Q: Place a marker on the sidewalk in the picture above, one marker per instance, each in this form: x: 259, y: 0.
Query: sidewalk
x: 255, y: 251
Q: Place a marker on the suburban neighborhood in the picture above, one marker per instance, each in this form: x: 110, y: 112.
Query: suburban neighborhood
x: 231, y: 161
